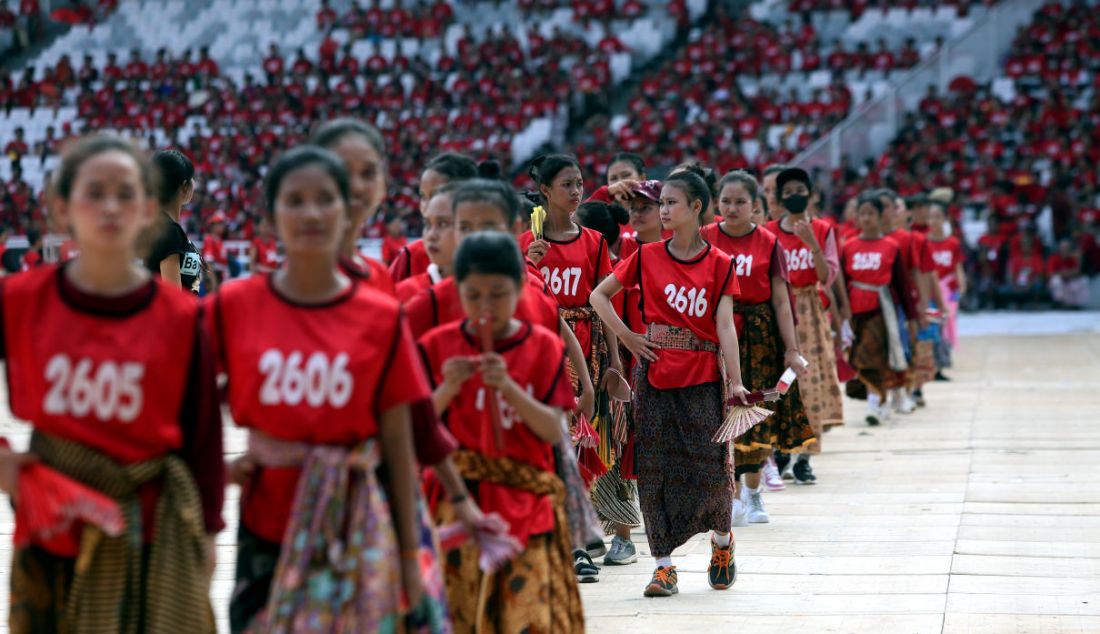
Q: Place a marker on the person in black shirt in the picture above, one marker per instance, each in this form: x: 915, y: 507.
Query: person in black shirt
x: 171, y: 254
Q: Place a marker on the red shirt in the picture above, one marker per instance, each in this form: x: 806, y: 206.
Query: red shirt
x: 411, y: 260
x: 213, y: 250
x: 1025, y: 269
x: 371, y: 271
x: 800, y: 260
x: 102, y: 374
x: 349, y: 371
x: 756, y: 261
x: 572, y: 270
x: 872, y: 262
x: 390, y: 247
x: 946, y: 256
x: 410, y: 287
x: 440, y: 305
x: 267, y: 255
x: 536, y: 361
x: 684, y: 294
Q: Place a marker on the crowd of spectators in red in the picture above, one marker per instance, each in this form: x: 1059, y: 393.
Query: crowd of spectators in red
x: 857, y: 7
x: 1013, y: 160
x: 690, y: 105
x: 474, y: 102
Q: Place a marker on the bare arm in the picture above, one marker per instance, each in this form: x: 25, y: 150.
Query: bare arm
x: 576, y: 358
x: 731, y: 355
x: 781, y: 302
x: 539, y: 417
x: 600, y: 299
x: 397, y: 452
x: 960, y: 275
x: 170, y: 270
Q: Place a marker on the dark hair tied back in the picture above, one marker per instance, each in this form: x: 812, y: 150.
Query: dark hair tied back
x: 693, y: 186
x: 742, y: 178
x: 298, y: 158
x: 80, y: 152
x: 489, y: 169
x: 491, y: 192
x: 489, y: 253
x: 173, y: 171
x: 330, y: 133
x: 603, y: 217
x: 545, y: 168
x: 456, y: 167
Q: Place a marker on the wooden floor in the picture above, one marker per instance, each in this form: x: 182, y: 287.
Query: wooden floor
x: 980, y: 513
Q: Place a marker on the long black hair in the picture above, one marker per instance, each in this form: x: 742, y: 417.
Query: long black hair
x: 603, y: 217
x: 694, y: 187
x: 544, y: 169
x: 174, y: 171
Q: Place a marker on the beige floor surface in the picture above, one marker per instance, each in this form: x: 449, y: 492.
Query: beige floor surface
x: 980, y: 513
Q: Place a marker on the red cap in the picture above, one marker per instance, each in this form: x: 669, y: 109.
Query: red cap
x: 651, y: 189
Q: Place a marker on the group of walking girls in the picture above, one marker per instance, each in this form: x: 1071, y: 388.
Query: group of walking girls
x: 526, y: 379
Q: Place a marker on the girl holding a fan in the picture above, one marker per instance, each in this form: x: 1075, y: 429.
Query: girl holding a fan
x: 765, y: 334
x: 685, y: 479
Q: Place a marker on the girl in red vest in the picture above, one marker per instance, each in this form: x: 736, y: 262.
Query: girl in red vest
x: 116, y: 406
x: 491, y: 205
x: 445, y: 168
x: 361, y: 147
x: 878, y: 278
x: 685, y: 480
x: 325, y: 394
x: 947, y: 256
x: 526, y: 374
x: 572, y: 260
x: 264, y: 251
x: 809, y: 244
x: 765, y: 335
x: 439, y: 243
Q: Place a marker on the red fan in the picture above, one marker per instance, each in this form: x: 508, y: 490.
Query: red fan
x: 485, y: 332
x: 496, y: 544
x: 50, y: 502
x: 590, y: 464
x: 585, y: 436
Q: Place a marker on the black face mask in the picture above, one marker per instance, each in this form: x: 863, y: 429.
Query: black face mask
x: 796, y: 203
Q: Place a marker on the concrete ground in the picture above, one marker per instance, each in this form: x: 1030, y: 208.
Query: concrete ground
x: 979, y: 513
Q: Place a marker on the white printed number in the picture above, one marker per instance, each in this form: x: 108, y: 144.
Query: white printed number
x: 744, y: 265
x: 110, y: 392
x: 508, y: 415
x: 866, y: 261
x: 942, y: 258
x: 287, y: 381
x: 562, y: 281
x: 800, y: 260
x: 693, y: 302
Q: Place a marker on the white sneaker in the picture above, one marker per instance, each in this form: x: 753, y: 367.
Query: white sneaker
x: 772, y: 480
x: 874, y: 415
x: 754, y: 502
x: 740, y: 513
x: 904, y: 405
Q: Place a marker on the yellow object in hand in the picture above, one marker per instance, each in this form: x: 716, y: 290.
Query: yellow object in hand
x: 538, y: 216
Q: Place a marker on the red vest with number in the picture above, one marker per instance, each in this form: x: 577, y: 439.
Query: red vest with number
x: 301, y: 373
x: 113, y: 383
x: 535, y: 359
x: 571, y: 270
x: 946, y: 255
x: 684, y: 294
x: 752, y: 259
x: 800, y: 260
x: 870, y: 262
x: 752, y: 262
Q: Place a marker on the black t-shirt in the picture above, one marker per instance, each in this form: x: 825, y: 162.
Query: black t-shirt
x: 171, y: 240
